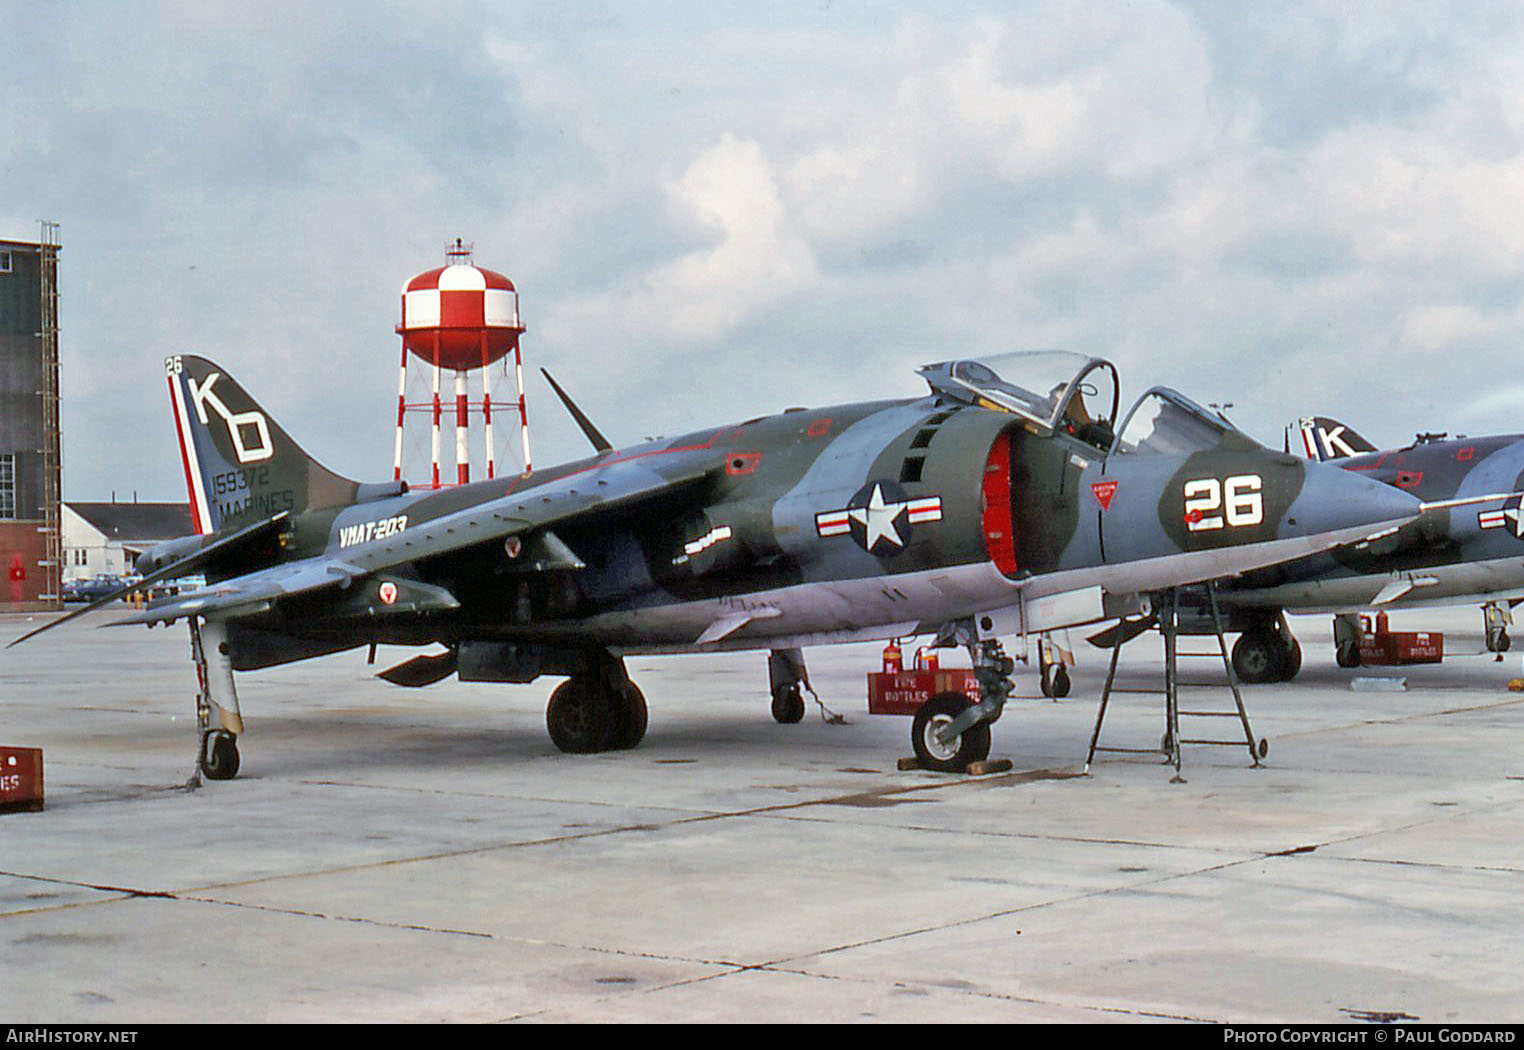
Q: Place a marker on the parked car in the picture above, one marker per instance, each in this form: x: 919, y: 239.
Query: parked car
x: 167, y: 588
x: 89, y: 588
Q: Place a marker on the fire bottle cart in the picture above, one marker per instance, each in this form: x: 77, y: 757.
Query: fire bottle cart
x: 898, y: 691
x: 1381, y: 646
x: 903, y: 692
x: 932, y: 696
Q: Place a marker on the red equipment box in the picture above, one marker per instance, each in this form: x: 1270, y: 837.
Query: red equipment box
x: 1381, y: 646
x: 20, y: 778
x: 901, y: 693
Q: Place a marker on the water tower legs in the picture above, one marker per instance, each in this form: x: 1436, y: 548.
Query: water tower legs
x: 462, y: 451
x: 401, y: 415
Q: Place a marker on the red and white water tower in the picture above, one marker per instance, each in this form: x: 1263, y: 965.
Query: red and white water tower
x: 459, y: 317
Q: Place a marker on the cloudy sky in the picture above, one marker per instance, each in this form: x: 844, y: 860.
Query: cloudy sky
x: 716, y: 210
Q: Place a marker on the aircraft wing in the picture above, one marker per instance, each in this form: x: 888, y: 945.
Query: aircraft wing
x: 609, y: 487
x: 269, y: 528
x: 252, y: 592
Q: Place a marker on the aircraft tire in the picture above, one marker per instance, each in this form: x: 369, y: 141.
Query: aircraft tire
x: 973, y: 745
x: 1291, y: 661
x: 1055, y: 681
x: 581, y: 717
x: 219, y: 755
x: 1258, y: 657
x: 633, y: 718
x: 788, y: 704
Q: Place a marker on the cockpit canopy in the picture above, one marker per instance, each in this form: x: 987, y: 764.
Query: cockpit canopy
x: 1061, y: 391
x: 1052, y: 389
x: 1169, y: 422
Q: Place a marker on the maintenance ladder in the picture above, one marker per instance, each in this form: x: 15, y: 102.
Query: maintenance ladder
x: 1169, y: 746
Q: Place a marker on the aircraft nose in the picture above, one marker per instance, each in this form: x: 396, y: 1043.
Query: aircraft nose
x: 1347, y: 505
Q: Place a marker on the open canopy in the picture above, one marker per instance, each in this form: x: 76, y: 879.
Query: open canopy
x: 1062, y: 391
x: 1051, y: 389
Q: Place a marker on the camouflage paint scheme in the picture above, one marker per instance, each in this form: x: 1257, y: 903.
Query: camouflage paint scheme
x: 1473, y: 552
x: 953, y: 514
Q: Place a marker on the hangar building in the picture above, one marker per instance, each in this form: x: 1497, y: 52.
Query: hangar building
x: 31, y: 475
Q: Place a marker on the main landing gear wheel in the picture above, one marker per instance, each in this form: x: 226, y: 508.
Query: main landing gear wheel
x: 633, y: 717
x: 578, y: 716
x: 1291, y: 662
x: 583, y: 717
x: 219, y: 755
x: 972, y: 745
x: 788, y: 704
x: 1264, y: 656
x: 1256, y: 658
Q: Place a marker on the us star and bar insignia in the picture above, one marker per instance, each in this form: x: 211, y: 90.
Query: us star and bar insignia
x: 879, y: 517
x: 1508, y: 517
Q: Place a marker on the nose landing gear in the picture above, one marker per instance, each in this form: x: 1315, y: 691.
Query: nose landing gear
x: 950, y: 731
x: 937, y: 749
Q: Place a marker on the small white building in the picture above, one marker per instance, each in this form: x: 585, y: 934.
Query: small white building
x: 106, y: 538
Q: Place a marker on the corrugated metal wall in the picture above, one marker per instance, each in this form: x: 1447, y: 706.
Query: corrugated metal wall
x: 29, y: 541
x: 21, y: 373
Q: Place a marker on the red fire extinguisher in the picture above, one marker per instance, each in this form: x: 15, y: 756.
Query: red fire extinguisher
x: 18, y: 579
x: 893, y: 659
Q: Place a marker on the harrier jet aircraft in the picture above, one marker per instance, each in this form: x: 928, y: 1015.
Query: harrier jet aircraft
x: 1002, y: 501
x: 1471, y: 551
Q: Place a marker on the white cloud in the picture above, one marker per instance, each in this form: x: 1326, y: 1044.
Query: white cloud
x: 756, y: 260
x: 749, y: 260
x: 1507, y: 400
x: 1226, y: 200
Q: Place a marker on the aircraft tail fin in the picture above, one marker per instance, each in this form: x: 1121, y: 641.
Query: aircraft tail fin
x: 1322, y: 438
x: 241, y: 467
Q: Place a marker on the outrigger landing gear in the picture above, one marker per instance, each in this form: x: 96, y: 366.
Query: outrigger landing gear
x: 597, y: 709
x: 1495, y: 623
x: 786, y: 680
x: 950, y: 731
x: 1053, y: 674
x: 1346, y: 632
x: 217, y: 717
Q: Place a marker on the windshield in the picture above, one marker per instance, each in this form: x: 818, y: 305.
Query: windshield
x: 1168, y: 422
x: 1056, y: 389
